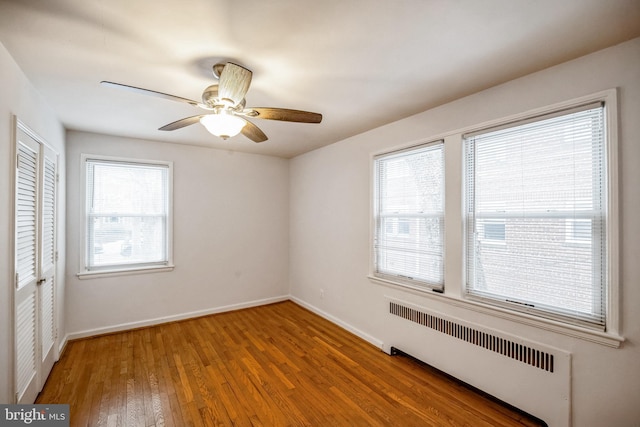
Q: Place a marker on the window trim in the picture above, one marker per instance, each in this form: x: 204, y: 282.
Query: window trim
x: 454, y: 293
x: 85, y: 272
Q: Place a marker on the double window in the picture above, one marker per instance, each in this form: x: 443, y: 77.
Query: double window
x: 536, y: 209
x: 127, y: 214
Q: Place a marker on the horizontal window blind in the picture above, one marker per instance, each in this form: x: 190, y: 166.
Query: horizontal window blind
x: 409, y: 216
x: 535, y: 215
x: 127, y: 214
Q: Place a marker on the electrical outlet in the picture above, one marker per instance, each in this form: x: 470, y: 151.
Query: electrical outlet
x: 321, y: 293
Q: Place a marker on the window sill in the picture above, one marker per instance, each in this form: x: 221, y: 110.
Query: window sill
x: 124, y: 272
x: 603, y: 338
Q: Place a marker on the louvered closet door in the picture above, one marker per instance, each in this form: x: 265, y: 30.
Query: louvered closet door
x: 35, y: 259
x: 27, y: 241
x: 47, y: 263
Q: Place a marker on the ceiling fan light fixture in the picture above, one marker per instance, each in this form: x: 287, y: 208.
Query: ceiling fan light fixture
x: 223, y: 125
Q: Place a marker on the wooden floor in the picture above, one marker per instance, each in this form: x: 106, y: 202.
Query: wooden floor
x: 275, y: 365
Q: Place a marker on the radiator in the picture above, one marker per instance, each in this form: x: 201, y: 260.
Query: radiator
x: 530, y: 376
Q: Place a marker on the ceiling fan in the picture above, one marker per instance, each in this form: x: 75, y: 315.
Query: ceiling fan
x: 226, y: 113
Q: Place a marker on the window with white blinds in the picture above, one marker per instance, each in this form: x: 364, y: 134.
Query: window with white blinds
x: 409, y: 216
x: 127, y: 214
x: 536, y: 212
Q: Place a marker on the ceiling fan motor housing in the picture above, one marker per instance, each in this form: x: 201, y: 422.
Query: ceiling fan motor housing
x: 210, y: 95
x: 211, y: 99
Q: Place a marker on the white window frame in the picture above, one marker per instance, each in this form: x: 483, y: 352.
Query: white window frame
x: 504, y: 298
x: 124, y: 269
x: 454, y: 292
x: 400, y: 280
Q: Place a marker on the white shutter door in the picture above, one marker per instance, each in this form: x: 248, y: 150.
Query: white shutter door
x: 48, y: 257
x: 26, y: 216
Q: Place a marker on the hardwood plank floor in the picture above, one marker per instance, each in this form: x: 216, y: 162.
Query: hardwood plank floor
x: 275, y: 365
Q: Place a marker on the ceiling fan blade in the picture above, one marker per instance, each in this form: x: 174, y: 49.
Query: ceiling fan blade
x: 253, y: 132
x: 283, y: 114
x: 151, y: 93
x: 234, y: 83
x: 179, y: 124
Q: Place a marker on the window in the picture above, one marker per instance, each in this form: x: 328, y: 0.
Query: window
x: 409, y: 216
x: 540, y: 187
x: 578, y: 231
x: 127, y: 215
x: 494, y: 230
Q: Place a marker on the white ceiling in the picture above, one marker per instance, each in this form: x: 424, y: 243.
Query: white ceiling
x: 361, y: 63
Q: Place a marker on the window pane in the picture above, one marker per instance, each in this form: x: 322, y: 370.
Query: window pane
x: 128, y: 188
x: 129, y: 240
x: 539, y: 188
x: 127, y: 208
x: 410, y: 216
x: 494, y: 230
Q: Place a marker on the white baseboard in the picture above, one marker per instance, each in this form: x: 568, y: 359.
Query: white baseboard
x: 62, y: 344
x: 157, y: 321
x: 369, y: 338
x: 183, y: 316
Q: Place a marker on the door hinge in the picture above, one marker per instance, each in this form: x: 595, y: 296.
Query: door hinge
x: 57, y: 177
x: 56, y: 256
x: 17, y: 279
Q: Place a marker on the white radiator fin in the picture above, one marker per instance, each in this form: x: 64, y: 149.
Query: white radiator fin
x: 522, y: 353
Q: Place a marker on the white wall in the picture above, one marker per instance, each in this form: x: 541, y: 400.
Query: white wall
x: 18, y: 97
x: 330, y: 227
x: 230, y: 229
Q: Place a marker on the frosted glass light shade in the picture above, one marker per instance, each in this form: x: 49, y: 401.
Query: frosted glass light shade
x: 223, y: 125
